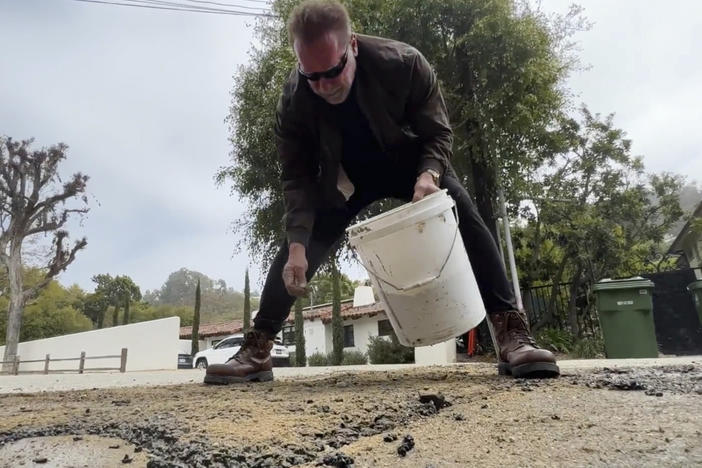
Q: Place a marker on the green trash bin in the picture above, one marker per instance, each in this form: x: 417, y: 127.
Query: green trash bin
x: 626, y: 316
x: 696, y: 289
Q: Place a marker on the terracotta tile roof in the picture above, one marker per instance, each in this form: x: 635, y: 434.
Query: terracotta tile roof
x: 348, y: 311
x: 213, y: 329
x: 323, y: 312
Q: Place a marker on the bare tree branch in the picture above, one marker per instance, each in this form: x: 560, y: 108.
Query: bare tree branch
x: 61, y: 259
x: 25, y: 177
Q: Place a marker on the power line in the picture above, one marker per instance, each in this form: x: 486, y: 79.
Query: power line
x: 162, y: 4
x: 186, y: 8
x: 265, y: 2
x: 185, y: 5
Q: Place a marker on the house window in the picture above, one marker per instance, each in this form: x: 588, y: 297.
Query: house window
x: 384, y: 328
x: 348, y: 336
x: 288, y: 335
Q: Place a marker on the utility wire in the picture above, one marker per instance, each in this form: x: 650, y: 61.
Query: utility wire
x: 265, y: 2
x: 186, y: 8
x: 190, y: 7
x: 184, y: 5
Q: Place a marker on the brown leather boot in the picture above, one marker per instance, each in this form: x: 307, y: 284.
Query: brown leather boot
x: 517, y: 350
x: 252, y: 363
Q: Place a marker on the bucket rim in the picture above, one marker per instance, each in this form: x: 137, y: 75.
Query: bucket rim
x: 418, y: 205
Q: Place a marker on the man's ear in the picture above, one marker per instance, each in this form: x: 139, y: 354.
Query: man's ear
x: 354, y: 45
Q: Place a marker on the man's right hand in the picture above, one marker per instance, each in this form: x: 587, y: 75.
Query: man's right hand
x: 295, y: 270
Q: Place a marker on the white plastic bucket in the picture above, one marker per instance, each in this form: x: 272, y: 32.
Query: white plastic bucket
x: 417, y: 262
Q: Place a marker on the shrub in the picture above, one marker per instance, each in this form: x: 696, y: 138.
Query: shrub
x: 562, y: 341
x: 384, y: 351
x: 352, y: 358
x: 591, y: 347
x: 293, y: 359
x: 559, y: 341
x: 317, y: 360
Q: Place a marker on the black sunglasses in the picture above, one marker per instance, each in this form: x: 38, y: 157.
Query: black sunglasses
x: 329, y: 74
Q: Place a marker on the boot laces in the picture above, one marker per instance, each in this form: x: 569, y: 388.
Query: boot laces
x: 251, y: 339
x: 518, y: 329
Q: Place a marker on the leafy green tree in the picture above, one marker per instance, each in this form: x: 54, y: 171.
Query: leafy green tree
x: 247, y: 302
x: 337, y: 322
x: 126, y: 292
x: 33, y: 201
x: 195, y: 347
x: 178, y: 288
x: 119, y: 292
x: 321, y: 288
x: 142, y: 311
x: 300, y: 353
x: 107, y: 292
x: 219, y: 302
x: 501, y: 65
x: 94, y: 307
x: 596, y: 213
x: 51, y: 313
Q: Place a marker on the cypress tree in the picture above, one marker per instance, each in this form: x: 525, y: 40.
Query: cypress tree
x: 300, y: 355
x: 337, y: 323
x: 195, y: 346
x: 247, y: 303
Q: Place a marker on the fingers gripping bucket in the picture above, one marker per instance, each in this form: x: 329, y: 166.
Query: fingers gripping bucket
x: 417, y: 262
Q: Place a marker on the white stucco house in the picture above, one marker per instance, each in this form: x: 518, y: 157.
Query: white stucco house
x: 362, y: 316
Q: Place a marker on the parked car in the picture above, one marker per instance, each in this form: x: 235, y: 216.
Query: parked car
x: 228, y: 347
x: 185, y: 361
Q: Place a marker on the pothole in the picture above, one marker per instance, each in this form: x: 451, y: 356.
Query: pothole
x: 72, y: 451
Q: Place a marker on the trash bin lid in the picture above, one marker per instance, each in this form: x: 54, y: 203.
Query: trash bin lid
x: 695, y: 285
x: 624, y: 283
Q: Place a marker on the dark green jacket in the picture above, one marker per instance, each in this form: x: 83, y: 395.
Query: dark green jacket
x: 398, y: 92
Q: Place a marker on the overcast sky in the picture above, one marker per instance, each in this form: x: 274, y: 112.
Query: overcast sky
x: 140, y: 96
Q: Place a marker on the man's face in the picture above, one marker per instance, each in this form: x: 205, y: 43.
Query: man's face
x: 323, y: 55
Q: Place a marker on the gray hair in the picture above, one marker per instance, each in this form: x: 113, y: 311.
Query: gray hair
x: 312, y: 19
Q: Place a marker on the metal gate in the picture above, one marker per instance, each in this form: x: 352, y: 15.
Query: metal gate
x: 678, y: 328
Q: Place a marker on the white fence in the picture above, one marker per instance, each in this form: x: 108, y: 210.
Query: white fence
x: 151, y: 345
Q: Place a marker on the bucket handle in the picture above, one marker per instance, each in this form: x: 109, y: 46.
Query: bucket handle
x: 424, y: 281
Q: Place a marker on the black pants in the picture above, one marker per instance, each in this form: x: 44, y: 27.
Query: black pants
x: 330, y: 225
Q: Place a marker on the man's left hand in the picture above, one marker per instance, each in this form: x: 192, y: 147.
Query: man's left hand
x: 425, y: 186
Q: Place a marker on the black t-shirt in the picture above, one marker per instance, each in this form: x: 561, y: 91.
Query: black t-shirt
x: 362, y: 158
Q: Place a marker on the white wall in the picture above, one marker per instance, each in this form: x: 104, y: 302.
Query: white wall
x: 440, y: 353
x: 363, y: 329
x: 315, y: 337
x: 318, y: 336
x: 150, y: 345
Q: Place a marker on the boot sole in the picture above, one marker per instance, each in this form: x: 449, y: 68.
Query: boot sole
x: 530, y: 370
x: 263, y: 376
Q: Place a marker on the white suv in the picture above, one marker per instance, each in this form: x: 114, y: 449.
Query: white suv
x: 228, y: 347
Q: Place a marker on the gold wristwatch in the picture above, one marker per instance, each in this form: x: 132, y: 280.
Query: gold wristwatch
x: 434, y: 175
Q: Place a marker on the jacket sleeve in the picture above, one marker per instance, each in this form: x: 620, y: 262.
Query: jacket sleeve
x: 298, y: 173
x: 428, y: 117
